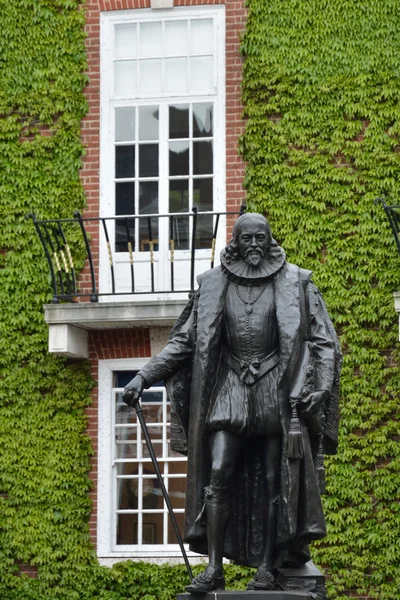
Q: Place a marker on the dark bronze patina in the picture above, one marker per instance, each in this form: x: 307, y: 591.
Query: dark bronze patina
x: 252, y: 372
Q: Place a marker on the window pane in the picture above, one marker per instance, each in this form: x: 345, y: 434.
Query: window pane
x: 148, y: 122
x: 150, y: 76
x: 179, y: 202
x: 180, y: 518
x: 124, y: 161
x: 124, y: 231
x: 125, y: 78
x: 176, y: 38
x: 127, y: 529
x: 203, y: 194
x: 177, y: 491
x: 148, y: 203
x: 201, y: 73
x: 203, y: 120
x: 202, y: 158
x: 179, y: 158
x: 179, y: 195
x: 204, y: 231
x: 126, y: 449
x: 125, y: 41
x: 148, y: 197
x: 152, y: 495
x: 153, y: 413
x: 123, y: 414
x: 125, y: 198
x: 150, y: 40
x: 148, y: 160
x: 176, y: 79
x: 179, y: 121
x: 127, y: 493
x: 201, y: 36
x: 124, y: 124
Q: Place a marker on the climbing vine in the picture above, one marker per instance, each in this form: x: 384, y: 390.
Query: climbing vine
x: 322, y: 99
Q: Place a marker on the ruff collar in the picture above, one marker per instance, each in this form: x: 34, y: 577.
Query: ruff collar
x: 242, y: 273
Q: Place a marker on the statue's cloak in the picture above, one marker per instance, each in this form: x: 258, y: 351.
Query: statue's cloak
x: 190, y: 386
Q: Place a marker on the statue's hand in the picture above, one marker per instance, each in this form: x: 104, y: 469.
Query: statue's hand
x: 133, y: 391
x: 312, y: 404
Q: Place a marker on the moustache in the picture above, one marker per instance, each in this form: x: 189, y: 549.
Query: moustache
x: 254, y: 251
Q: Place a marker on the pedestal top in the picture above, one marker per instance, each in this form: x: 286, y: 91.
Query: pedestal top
x: 246, y: 595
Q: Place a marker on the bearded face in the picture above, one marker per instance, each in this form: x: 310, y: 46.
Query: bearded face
x: 253, y: 242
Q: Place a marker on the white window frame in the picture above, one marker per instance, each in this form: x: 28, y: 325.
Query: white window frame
x: 105, y: 501
x: 108, y: 101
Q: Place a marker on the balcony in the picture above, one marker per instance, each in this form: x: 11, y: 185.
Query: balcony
x: 125, y: 271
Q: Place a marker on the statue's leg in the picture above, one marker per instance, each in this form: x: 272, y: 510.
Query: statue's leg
x: 264, y: 578
x: 224, y: 448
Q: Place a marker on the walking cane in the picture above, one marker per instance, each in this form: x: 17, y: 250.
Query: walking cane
x: 143, y: 425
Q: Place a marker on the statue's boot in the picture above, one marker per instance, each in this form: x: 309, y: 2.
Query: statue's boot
x: 264, y: 578
x: 216, y: 509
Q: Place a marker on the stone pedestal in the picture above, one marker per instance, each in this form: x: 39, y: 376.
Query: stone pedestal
x: 296, y: 583
x: 247, y: 595
x: 306, y: 579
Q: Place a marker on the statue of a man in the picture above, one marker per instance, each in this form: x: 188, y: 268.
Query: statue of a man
x: 231, y: 367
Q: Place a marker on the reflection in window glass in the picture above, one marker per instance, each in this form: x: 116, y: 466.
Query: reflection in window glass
x: 179, y: 121
x: 203, y: 194
x: 148, y: 122
x: 148, y: 203
x: 125, y: 198
x: 179, y: 202
x: 148, y: 160
x: 124, y: 161
x: 202, y: 158
x: 178, y: 158
x: 124, y: 124
x: 202, y: 120
x: 124, y: 232
x: 204, y: 231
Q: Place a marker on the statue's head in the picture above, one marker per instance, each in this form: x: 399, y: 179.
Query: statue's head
x: 251, y: 239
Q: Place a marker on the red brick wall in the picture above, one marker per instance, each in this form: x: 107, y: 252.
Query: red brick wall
x: 235, y: 21
x: 110, y: 344
x: 136, y: 343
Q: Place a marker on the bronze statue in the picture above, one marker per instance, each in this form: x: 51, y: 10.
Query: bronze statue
x: 251, y: 369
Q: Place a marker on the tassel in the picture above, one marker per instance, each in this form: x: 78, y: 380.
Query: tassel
x: 295, y: 437
x: 319, y: 465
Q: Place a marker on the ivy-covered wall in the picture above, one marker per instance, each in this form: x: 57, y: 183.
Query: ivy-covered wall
x: 322, y: 96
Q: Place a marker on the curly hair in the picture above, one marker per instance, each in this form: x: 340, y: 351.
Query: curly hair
x: 232, y: 249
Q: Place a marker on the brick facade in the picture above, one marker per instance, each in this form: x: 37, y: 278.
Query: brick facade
x: 235, y: 22
x: 130, y: 343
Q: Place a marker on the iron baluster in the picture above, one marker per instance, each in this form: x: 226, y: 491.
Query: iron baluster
x: 55, y: 299
x: 94, y: 297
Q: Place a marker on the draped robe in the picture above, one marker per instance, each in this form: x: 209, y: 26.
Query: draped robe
x: 189, y: 365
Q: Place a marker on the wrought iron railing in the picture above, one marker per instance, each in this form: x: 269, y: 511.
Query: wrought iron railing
x: 393, y: 215
x: 55, y: 235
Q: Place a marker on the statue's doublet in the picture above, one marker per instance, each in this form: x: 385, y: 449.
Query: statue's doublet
x: 244, y: 399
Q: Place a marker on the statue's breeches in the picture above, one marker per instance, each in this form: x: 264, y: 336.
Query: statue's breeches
x: 246, y: 410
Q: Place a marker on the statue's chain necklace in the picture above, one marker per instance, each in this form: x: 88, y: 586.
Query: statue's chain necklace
x: 249, y: 302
